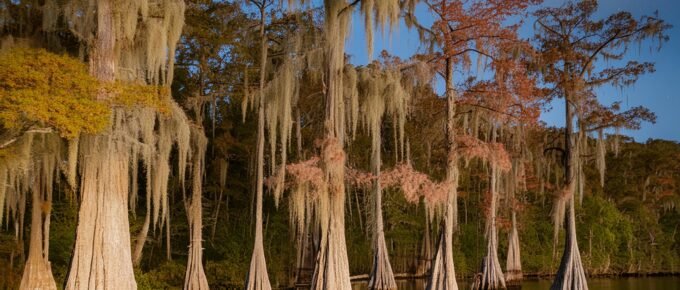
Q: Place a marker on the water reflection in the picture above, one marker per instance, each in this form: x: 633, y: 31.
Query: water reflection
x: 647, y: 283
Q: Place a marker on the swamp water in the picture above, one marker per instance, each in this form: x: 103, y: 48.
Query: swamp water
x: 622, y: 283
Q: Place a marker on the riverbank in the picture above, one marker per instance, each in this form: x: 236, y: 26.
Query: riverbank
x: 528, y: 276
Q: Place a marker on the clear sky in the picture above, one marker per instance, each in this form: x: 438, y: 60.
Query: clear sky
x: 659, y: 91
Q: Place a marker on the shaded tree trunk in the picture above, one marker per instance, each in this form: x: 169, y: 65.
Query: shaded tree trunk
x: 307, y: 247
x: 425, y: 260
x: 142, y: 235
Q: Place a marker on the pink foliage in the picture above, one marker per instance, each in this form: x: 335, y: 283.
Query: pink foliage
x: 415, y: 184
x: 495, y: 153
x: 407, y: 179
x: 411, y: 182
x: 436, y: 192
x: 307, y: 172
x: 358, y: 178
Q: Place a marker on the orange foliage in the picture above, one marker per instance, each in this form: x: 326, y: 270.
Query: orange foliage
x: 495, y: 153
x: 415, y: 184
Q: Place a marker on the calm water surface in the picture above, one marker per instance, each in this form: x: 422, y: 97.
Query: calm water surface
x: 650, y: 283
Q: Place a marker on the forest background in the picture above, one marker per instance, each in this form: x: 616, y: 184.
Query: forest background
x: 628, y: 225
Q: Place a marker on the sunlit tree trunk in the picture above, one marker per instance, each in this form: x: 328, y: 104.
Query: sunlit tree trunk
x: 38, y: 272
x: 571, y: 275
x: 194, y: 278
x: 257, y: 274
x: 382, y: 276
x: 492, y: 274
x: 102, y: 256
x: 331, y: 270
x: 513, y: 268
x: 443, y: 276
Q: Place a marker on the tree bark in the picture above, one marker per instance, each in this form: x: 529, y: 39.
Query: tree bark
x: 102, y: 256
x: 38, y: 272
x: 331, y: 270
x: 492, y: 274
x: 570, y: 275
x: 513, y: 268
x: 195, y: 278
x: 425, y: 260
x: 258, y: 278
x: 143, y: 233
x: 382, y: 276
x: 443, y: 276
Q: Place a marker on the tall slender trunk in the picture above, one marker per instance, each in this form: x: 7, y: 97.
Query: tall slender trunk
x: 257, y: 274
x: 38, y: 272
x: 443, y: 276
x: 571, y: 275
x: 425, y: 260
x: 492, y: 274
x: 143, y: 232
x: 382, y: 276
x: 194, y: 278
x: 102, y: 256
x: 168, y: 244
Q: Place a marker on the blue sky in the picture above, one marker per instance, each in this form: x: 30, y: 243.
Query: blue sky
x: 659, y: 91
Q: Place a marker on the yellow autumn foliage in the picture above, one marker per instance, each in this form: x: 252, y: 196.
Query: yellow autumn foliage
x: 40, y: 88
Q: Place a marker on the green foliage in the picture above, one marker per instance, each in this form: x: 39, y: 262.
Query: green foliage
x: 167, y: 275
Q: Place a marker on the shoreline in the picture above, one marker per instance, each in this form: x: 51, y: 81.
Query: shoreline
x: 529, y: 276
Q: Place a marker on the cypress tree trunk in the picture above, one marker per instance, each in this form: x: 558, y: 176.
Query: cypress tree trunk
x: 306, y: 254
x: 382, y: 276
x: 102, y: 256
x: 38, y: 272
x: 570, y: 275
x: 257, y: 274
x: 513, y: 268
x: 443, y: 275
x: 331, y: 270
x: 425, y: 260
x: 194, y: 278
x: 143, y: 233
x: 492, y: 274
